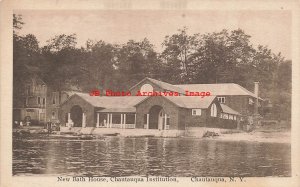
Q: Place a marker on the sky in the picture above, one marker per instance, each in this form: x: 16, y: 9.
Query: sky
x: 266, y: 27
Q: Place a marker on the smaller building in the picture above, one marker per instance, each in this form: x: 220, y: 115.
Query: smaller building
x: 54, y: 100
x: 33, y: 107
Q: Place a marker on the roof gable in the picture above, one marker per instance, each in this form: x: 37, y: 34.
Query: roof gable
x: 161, y: 84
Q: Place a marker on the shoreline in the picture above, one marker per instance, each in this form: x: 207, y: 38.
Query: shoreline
x: 283, y: 136
x: 259, y: 137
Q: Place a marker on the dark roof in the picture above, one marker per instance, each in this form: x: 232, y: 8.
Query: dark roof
x: 228, y: 110
x: 163, y: 85
x: 217, y: 89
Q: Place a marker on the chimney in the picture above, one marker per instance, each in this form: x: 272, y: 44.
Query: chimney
x: 256, y: 88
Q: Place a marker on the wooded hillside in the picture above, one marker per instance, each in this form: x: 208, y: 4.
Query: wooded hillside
x: 219, y: 57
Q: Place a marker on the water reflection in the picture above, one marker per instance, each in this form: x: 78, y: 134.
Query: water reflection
x: 117, y: 156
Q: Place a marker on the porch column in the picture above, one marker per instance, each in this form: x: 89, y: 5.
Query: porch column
x: 69, y: 122
x: 147, y: 121
x: 110, y: 121
x: 121, y: 121
x: 69, y: 117
x: 134, y: 120
x: 83, y: 120
x: 165, y: 123
x: 107, y: 121
x: 124, y: 121
x: 98, y: 120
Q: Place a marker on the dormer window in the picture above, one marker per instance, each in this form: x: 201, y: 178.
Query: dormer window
x: 221, y: 99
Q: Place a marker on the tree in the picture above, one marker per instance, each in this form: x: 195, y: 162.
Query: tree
x: 61, y: 70
x: 61, y: 42
x: 178, y: 50
x: 99, y: 64
x: 136, y: 60
x: 26, y: 59
x: 17, y: 24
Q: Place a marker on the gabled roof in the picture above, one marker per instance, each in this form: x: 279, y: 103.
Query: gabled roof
x: 191, y: 101
x: 217, y: 89
x: 111, y: 101
x: 187, y: 101
x: 162, y: 85
x: 228, y: 110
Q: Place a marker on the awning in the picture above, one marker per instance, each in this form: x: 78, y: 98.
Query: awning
x: 226, y: 109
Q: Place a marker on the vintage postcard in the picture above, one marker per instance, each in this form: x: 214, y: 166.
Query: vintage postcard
x: 147, y: 93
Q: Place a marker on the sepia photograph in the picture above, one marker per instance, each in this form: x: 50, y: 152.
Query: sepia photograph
x: 153, y: 95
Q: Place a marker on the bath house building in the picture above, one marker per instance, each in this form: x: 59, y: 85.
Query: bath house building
x: 220, y: 110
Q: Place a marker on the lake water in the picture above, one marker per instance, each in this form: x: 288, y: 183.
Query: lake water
x: 176, y: 157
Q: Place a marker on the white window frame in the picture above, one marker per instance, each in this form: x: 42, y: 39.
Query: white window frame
x: 221, y: 99
x: 197, y: 111
x: 213, y: 110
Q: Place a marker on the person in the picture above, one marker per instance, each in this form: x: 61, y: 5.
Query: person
x: 16, y: 123
x: 49, y: 124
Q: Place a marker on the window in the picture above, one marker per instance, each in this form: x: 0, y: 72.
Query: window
x: 146, y: 88
x: 53, y: 98
x: 39, y: 100
x: 53, y: 115
x: 231, y: 117
x: 234, y: 117
x: 44, y: 101
x: 213, y: 110
x: 225, y: 116
x: 196, y: 112
x: 251, y: 102
x: 221, y: 99
x: 221, y: 115
x: 166, y: 125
